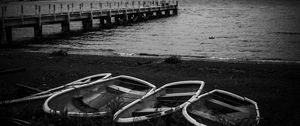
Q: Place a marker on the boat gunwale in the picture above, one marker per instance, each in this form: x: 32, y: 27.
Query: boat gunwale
x: 193, y: 121
x: 48, y: 93
x: 47, y: 109
x: 158, y: 114
x: 77, y: 82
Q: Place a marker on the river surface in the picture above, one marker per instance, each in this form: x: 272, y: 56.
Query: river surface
x: 263, y: 30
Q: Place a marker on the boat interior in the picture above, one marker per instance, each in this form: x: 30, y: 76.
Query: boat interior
x: 222, y: 107
x: 99, y: 97
x: 165, y: 99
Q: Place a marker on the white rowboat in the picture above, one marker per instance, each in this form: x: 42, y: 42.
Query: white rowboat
x: 98, y: 98
x: 221, y: 108
x: 163, y: 101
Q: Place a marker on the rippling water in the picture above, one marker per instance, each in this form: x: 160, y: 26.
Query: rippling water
x: 211, y: 29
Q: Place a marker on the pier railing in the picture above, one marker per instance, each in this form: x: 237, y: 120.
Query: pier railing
x: 109, y: 13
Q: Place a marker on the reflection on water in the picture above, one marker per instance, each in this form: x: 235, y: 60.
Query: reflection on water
x: 221, y: 29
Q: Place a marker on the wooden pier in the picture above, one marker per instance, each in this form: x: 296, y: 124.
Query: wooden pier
x: 109, y: 14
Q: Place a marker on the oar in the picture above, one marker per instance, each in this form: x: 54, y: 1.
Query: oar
x: 19, y: 122
x: 81, y: 81
x: 60, y: 88
x: 11, y: 70
x: 42, y: 92
x: 29, y: 88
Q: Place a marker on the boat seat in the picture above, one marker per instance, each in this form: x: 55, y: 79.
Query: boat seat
x: 80, y: 105
x: 178, y: 94
x: 97, y: 99
x: 226, y: 105
x: 211, y: 117
x: 239, y: 115
x: 147, y: 111
x: 178, y: 97
x: 203, y: 114
x: 125, y: 90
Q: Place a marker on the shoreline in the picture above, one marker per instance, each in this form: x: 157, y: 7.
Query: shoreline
x: 272, y: 86
x: 111, y: 53
x: 182, y: 57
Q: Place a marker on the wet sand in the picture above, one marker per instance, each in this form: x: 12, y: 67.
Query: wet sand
x: 273, y: 85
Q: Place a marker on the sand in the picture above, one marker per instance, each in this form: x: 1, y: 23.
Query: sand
x: 273, y: 85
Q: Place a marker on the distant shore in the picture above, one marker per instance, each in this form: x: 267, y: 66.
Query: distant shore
x: 273, y: 86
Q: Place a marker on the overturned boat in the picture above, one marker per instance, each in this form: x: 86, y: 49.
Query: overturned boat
x: 98, y: 98
x: 41, y: 96
x: 165, y: 100
x: 221, y: 108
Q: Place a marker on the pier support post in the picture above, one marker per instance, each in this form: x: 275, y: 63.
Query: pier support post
x: 108, y: 22
x: 65, y: 27
x: 139, y: 16
x: 158, y: 14
x: 38, y: 28
x: 150, y: 15
x: 130, y: 18
x: 8, y: 34
x: 145, y: 16
x: 108, y: 18
x: 3, y: 35
x: 117, y: 20
x: 38, y: 31
x: 125, y: 16
x: 87, y: 24
x: 175, y: 12
x: 102, y: 23
x: 168, y: 13
x: 3, y: 30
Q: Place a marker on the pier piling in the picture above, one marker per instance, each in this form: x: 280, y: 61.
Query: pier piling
x: 3, y: 32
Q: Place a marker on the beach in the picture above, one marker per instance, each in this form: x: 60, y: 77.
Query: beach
x: 250, y: 48
x: 273, y: 86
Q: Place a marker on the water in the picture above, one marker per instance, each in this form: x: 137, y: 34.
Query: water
x: 266, y: 30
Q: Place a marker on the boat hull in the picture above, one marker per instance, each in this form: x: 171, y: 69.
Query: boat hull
x: 219, y: 108
x: 167, y: 100
x: 42, y: 96
x: 98, y: 98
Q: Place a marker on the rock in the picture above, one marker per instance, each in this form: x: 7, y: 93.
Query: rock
x: 173, y: 60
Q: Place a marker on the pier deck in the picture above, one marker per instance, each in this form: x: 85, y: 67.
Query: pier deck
x: 112, y: 14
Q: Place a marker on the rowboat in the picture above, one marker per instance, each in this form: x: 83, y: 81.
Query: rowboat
x: 221, y: 108
x: 163, y: 101
x: 98, y: 98
x: 38, y: 97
